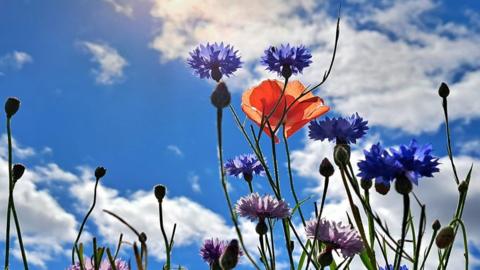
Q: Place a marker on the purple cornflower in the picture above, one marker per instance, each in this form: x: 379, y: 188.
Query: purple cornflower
x: 341, y: 130
x: 104, y: 265
x: 411, y: 161
x: 287, y: 59
x: 255, y: 207
x: 211, y: 250
x: 390, y: 267
x: 415, y: 161
x: 214, y: 60
x: 335, y: 236
x: 244, y: 166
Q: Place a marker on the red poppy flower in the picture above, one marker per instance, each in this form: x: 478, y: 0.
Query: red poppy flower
x: 260, y: 101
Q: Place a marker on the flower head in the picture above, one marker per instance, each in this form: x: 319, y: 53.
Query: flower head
x: 211, y: 250
x: 286, y: 57
x: 244, y: 166
x: 104, y: 265
x: 379, y: 164
x: 255, y: 207
x: 335, y: 236
x: 214, y: 60
x: 341, y: 130
x: 390, y: 267
x: 260, y: 102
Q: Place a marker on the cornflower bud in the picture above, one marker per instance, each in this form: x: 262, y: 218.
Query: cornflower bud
x: 326, y: 168
x: 100, y: 172
x: 366, y: 184
x: 341, y: 154
x: 403, y: 185
x: 436, y: 225
x: 463, y: 187
x: 17, y: 171
x: 261, y: 227
x: 160, y: 191
x: 11, y: 106
x: 325, y: 258
x: 220, y: 97
x: 445, y: 237
x: 443, y: 91
x: 229, y: 258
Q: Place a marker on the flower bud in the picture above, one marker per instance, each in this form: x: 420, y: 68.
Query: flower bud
x: 100, y: 172
x: 229, y: 258
x: 436, y: 225
x: 17, y: 171
x: 220, y: 97
x: 341, y: 154
x: 216, y: 74
x: 326, y: 168
x: 445, y: 237
x: 142, y: 237
x: 443, y: 91
x: 261, y: 227
x: 366, y: 184
x: 403, y: 185
x: 325, y: 258
x: 160, y: 191
x: 286, y: 71
x: 382, y: 188
x: 11, y: 106
x: 463, y: 187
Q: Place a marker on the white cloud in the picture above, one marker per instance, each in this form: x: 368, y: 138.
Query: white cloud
x: 386, y: 72
x: 194, y: 180
x: 439, y: 194
x: 15, y: 60
x: 121, y: 7
x: 20, y: 151
x: 111, y: 63
x: 175, y: 150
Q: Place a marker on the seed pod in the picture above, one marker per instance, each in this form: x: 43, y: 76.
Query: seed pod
x: 445, y: 237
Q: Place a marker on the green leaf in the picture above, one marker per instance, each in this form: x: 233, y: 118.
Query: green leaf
x: 303, y: 256
x: 366, y: 260
x: 300, y: 203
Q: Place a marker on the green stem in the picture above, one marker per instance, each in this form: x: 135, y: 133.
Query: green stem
x: 465, y: 241
x: 224, y: 185
x: 406, y: 209
x: 449, y: 143
x: 425, y: 256
x: 165, y: 238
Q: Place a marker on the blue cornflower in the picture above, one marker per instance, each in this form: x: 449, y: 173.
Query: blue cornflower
x: 342, y: 130
x: 214, y: 60
x: 415, y: 161
x: 287, y: 60
x: 390, y: 267
x: 379, y: 164
x: 244, y: 166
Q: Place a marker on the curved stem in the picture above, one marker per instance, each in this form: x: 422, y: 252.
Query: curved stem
x: 164, y: 234
x: 85, y: 219
x: 465, y: 241
x: 406, y: 209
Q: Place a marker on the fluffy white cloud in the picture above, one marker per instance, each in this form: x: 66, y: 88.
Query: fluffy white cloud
x: 15, y: 60
x: 439, y: 194
x: 386, y: 71
x: 110, y: 63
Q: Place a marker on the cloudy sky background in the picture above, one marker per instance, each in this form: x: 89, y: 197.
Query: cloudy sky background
x: 105, y: 83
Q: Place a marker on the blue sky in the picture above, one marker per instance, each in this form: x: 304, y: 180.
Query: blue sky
x: 105, y: 83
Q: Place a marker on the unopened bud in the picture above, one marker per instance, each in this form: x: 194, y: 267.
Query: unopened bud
x: 286, y: 71
x: 382, y: 188
x: 100, y: 172
x: 463, y: 187
x: 366, y: 184
x: 325, y: 258
x: 229, y: 258
x: 341, y: 154
x: 216, y: 74
x: 220, y: 97
x: 142, y: 237
x: 160, y: 191
x: 326, y: 168
x: 17, y: 171
x: 445, y: 237
x: 436, y: 225
x: 261, y: 227
x: 11, y: 106
x: 443, y: 91
x: 403, y: 185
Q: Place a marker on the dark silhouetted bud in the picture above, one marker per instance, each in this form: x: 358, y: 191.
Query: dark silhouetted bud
x: 286, y: 71
x: 366, y: 184
x: 160, y: 191
x: 100, y: 172
x: 443, y: 91
x: 436, y: 225
x: 142, y: 237
x: 220, y: 97
x: 445, y: 237
x: 382, y: 188
x: 463, y: 187
x: 248, y: 177
x: 17, y: 171
x: 326, y: 168
x: 229, y: 258
x: 325, y: 258
x: 403, y: 185
x: 341, y: 154
x: 11, y: 106
x: 261, y: 227
x: 216, y: 74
